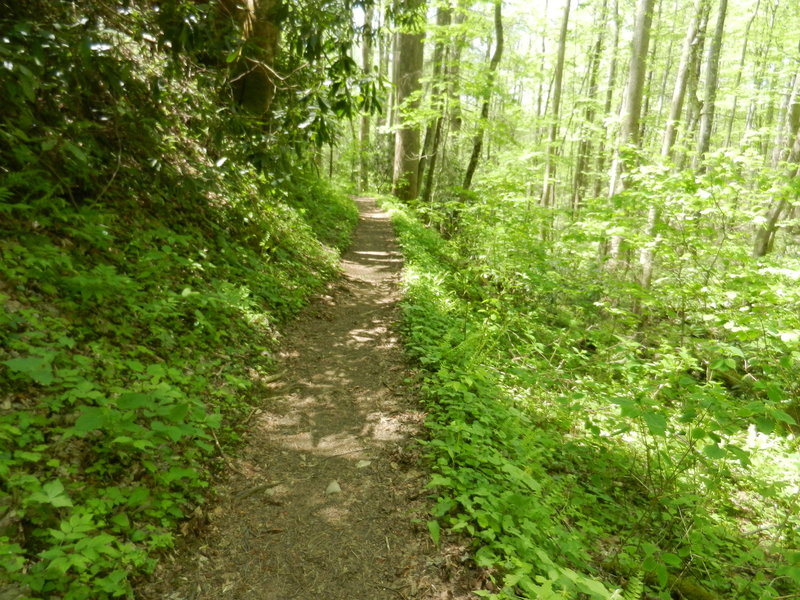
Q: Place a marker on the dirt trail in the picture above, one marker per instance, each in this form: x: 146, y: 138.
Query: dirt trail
x: 321, y: 504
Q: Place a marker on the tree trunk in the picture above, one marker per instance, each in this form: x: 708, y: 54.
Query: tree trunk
x: 710, y: 89
x: 631, y: 112
x: 612, y: 78
x: 629, y: 131
x: 407, y: 73
x: 260, y: 20
x: 739, y: 72
x: 454, y: 75
x: 438, y: 91
x: 693, y: 104
x: 548, y: 187
x: 787, y: 121
x: 761, y: 70
x: 690, y: 44
x: 585, y: 137
x: 366, y: 63
x: 477, y: 142
x: 765, y: 236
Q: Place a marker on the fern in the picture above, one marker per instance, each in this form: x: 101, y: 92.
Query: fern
x: 635, y: 587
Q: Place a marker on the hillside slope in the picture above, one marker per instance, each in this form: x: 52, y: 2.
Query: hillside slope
x: 147, y: 259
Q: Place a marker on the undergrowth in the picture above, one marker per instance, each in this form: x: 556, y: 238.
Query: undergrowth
x: 582, y: 462
x: 145, y: 267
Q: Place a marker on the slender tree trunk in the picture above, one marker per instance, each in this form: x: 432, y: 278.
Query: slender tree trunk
x: 786, y: 126
x: 647, y: 93
x: 765, y: 235
x: 693, y: 104
x: 437, y: 94
x: 454, y: 78
x: 690, y: 44
x: 739, y: 72
x: 585, y: 143
x: 629, y: 132
x: 477, y: 142
x: 666, y: 75
x: 710, y: 91
x: 366, y: 63
x: 761, y: 68
x: 548, y: 188
x: 543, y: 36
x: 408, y: 71
x: 612, y: 78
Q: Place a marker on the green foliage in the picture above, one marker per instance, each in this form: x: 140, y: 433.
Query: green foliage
x: 576, y: 441
x: 146, y: 261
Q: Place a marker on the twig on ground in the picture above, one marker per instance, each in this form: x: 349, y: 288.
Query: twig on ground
x: 222, y: 454
x: 391, y: 589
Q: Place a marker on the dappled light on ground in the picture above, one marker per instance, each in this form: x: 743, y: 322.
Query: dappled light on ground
x: 320, y: 503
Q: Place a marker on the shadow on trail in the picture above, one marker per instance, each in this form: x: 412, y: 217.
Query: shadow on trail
x: 319, y: 503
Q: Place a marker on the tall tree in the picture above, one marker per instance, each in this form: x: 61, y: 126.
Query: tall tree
x: 548, y: 187
x: 585, y: 138
x: 632, y: 106
x: 433, y: 134
x: 260, y: 22
x: 609, y: 100
x: 477, y: 142
x: 690, y: 45
x: 739, y: 72
x: 765, y: 234
x: 407, y: 73
x: 366, y: 64
x: 710, y: 88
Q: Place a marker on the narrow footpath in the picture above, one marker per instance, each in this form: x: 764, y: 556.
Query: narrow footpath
x: 321, y: 503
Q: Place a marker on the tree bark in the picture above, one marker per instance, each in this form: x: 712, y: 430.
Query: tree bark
x: 765, y: 236
x: 438, y: 91
x: 632, y: 107
x: 612, y: 78
x: 548, y: 187
x: 739, y: 72
x: 260, y: 20
x: 408, y: 70
x: 710, y: 88
x: 366, y: 63
x: 585, y: 143
x: 690, y: 44
x: 477, y: 142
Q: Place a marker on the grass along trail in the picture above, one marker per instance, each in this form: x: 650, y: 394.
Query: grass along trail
x: 321, y: 501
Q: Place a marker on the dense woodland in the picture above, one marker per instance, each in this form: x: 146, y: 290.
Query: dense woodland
x: 598, y: 205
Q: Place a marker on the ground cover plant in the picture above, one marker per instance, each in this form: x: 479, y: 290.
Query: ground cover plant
x: 587, y: 454
x: 154, y: 235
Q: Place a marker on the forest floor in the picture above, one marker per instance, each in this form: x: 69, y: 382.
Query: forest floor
x: 327, y: 498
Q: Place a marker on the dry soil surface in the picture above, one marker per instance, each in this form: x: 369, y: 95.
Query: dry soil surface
x: 321, y: 504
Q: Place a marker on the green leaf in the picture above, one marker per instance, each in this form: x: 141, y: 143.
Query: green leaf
x: 764, y: 425
x: 90, y: 419
x: 121, y: 520
x: 37, y: 368
x: 52, y: 493
x: 775, y: 393
x: 435, y: 531
x: 656, y: 423
x: 79, y: 154
x: 780, y: 415
x: 134, y: 400
x: 661, y: 574
x: 714, y: 451
x: 672, y: 560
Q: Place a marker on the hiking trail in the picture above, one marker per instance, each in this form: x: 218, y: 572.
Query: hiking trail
x: 321, y: 503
